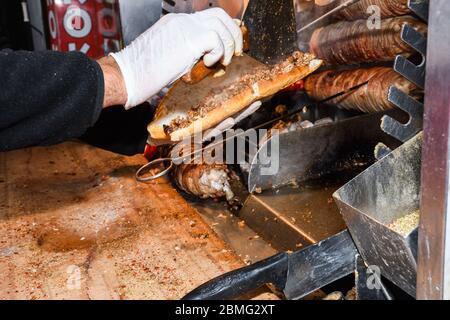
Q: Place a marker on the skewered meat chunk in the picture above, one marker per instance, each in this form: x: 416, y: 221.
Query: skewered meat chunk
x: 204, y: 180
x: 372, y: 97
x: 353, y: 42
x: 388, y: 8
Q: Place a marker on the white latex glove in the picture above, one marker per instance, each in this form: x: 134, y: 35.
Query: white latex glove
x: 231, y: 122
x: 171, y: 47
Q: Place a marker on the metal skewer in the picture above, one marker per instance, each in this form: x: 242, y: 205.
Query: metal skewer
x: 329, y: 13
x: 154, y: 163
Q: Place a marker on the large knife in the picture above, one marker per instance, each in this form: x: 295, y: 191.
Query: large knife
x: 296, y: 275
x: 269, y: 32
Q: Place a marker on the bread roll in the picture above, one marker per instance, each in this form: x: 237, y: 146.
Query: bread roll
x: 187, y: 108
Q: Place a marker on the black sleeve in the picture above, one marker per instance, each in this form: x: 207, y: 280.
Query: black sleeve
x: 47, y: 97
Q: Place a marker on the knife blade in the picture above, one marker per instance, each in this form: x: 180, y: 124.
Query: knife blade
x: 272, y: 28
x: 296, y: 274
x: 268, y: 28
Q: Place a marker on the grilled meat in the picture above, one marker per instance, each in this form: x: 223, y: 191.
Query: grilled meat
x: 372, y: 97
x: 353, y: 42
x: 388, y: 8
x: 204, y: 180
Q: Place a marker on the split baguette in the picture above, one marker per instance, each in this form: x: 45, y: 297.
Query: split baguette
x: 175, y: 103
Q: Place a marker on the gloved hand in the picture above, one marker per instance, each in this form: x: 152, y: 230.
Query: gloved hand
x: 171, y: 47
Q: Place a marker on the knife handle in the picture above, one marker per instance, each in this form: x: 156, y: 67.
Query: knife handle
x: 200, y: 71
x: 239, y: 282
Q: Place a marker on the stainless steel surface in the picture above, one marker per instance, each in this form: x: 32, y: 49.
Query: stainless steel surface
x: 296, y: 275
x: 381, y: 150
x: 433, y: 278
x: 371, y: 202
x: 414, y: 108
x: 320, y: 264
x: 420, y: 8
x: 291, y: 218
x: 137, y: 16
x: 412, y: 72
x: 35, y: 12
x: 311, y: 152
x: 242, y: 239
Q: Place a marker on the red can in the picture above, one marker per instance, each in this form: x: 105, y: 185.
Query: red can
x: 89, y: 26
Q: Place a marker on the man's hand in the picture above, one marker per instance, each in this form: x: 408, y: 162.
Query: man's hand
x: 115, y: 90
x: 170, y: 48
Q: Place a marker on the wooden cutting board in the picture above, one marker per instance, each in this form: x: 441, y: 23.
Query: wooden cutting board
x: 74, y: 224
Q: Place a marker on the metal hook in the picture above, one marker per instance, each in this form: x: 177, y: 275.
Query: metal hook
x: 152, y: 164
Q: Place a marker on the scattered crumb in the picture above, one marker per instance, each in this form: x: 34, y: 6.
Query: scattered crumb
x: 406, y: 224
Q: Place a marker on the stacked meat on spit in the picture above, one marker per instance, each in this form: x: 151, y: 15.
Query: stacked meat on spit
x: 356, y: 40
